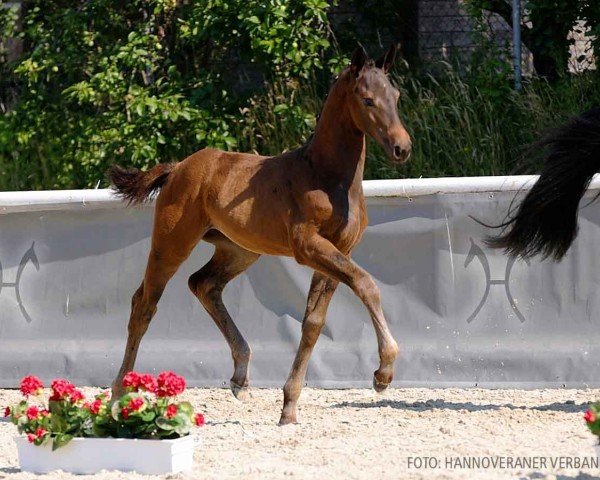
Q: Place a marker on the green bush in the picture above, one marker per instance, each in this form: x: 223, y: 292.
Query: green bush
x: 148, y: 81
x: 140, y: 82
x: 460, y: 126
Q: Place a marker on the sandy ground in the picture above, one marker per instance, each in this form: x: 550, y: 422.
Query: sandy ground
x: 358, y: 434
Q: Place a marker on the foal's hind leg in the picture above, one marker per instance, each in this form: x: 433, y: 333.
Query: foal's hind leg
x: 173, y: 238
x: 228, y: 261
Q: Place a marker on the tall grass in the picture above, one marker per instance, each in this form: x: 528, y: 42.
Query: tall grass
x: 457, y: 127
x: 461, y: 125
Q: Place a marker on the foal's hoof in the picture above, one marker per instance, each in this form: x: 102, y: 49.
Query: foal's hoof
x: 241, y: 393
x: 287, y: 420
x: 379, y: 386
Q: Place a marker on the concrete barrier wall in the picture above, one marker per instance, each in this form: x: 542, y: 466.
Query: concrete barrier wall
x: 462, y: 314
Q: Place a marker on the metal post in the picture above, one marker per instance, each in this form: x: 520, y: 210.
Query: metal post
x: 516, y: 18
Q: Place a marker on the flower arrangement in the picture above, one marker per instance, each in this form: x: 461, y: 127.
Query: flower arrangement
x: 592, y: 418
x: 148, y: 410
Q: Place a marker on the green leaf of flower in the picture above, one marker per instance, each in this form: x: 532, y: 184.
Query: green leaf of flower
x: 61, y: 440
x: 168, y: 424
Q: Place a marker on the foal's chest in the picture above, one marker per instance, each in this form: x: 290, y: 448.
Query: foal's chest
x: 345, y: 220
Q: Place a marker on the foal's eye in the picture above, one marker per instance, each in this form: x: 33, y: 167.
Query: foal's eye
x: 368, y: 102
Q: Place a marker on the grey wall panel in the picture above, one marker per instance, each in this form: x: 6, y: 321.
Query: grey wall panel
x: 462, y: 314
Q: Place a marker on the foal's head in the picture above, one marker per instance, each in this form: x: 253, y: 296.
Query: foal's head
x: 373, y: 104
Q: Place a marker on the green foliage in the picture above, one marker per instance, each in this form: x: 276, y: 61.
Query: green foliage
x: 545, y: 28
x: 461, y: 125
x: 459, y: 129
x: 148, y: 81
x: 137, y: 414
x: 59, y: 424
x: 592, y: 418
x: 140, y: 82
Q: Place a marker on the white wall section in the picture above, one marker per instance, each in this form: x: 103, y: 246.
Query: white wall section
x: 462, y: 314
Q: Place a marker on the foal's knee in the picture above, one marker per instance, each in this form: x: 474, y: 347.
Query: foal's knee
x: 313, y: 323
x: 366, y: 288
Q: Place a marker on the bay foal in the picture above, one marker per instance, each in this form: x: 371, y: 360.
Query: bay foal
x: 307, y: 204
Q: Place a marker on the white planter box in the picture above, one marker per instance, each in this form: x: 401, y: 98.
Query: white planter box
x: 90, y: 455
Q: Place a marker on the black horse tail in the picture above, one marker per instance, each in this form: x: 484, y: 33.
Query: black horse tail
x: 135, y: 186
x: 546, y: 220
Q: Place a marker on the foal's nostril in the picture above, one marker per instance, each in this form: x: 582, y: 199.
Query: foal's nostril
x: 397, y: 151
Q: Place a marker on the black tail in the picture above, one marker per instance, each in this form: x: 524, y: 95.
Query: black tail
x: 546, y: 221
x: 136, y: 186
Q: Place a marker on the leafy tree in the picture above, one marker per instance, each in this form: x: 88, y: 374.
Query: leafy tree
x: 545, y: 31
x: 141, y: 81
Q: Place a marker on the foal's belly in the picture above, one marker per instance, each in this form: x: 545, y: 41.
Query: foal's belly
x: 254, y: 241
x: 259, y: 228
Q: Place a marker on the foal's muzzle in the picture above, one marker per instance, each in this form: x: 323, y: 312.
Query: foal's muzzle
x: 398, y: 145
x: 401, y: 154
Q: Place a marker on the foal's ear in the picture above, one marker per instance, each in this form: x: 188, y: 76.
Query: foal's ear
x: 359, y: 57
x: 386, y: 61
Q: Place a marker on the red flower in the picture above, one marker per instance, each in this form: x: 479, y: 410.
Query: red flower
x: 199, y: 419
x: 125, y: 413
x: 95, y: 406
x: 169, y: 384
x: 7, y: 412
x: 44, y: 412
x: 32, y: 412
x: 135, y: 404
x: 131, y: 380
x: 171, y: 411
x: 589, y: 416
x: 61, y: 389
x: 75, y: 395
x: 148, y: 383
x: 39, y: 433
x: 31, y: 385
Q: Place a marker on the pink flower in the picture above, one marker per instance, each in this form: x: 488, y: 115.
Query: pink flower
x: 148, y: 382
x: 171, y: 411
x: 7, y: 412
x: 32, y: 412
x: 135, y: 404
x: 44, y: 412
x: 125, y: 413
x: 95, y: 406
x: 61, y: 389
x: 39, y: 433
x: 75, y: 395
x: 31, y: 385
x: 199, y: 419
x: 589, y: 416
x: 131, y: 380
x: 169, y: 384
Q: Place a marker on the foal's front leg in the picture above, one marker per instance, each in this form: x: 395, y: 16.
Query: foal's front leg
x: 320, y: 254
x: 322, y: 289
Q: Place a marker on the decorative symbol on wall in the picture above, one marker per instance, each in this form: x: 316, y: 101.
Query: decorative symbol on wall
x: 29, y: 256
x: 477, y: 252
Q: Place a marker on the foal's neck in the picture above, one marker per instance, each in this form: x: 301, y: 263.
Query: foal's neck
x: 337, y: 149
